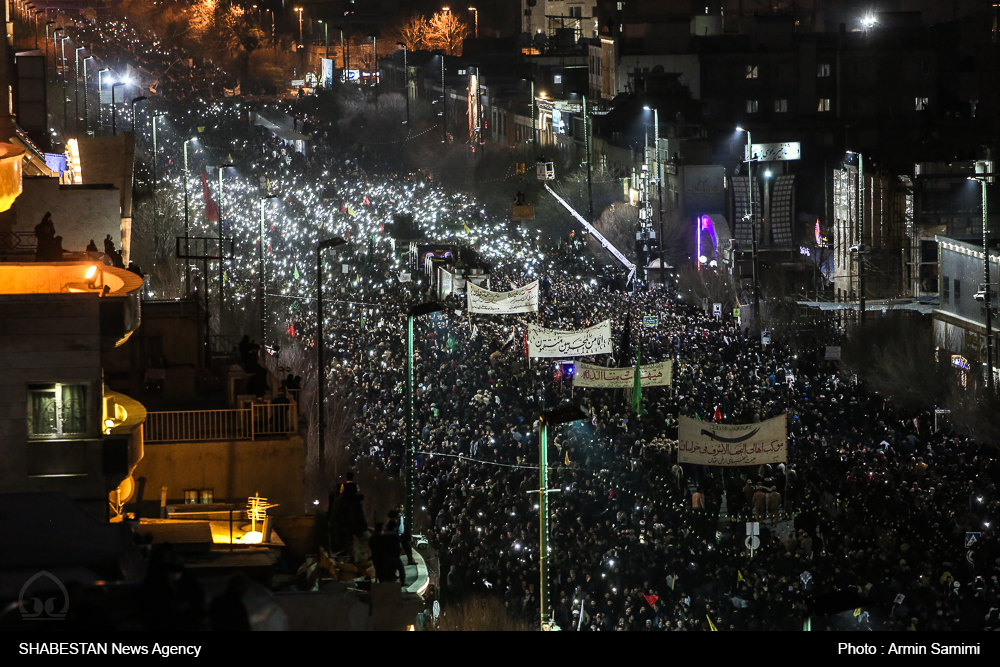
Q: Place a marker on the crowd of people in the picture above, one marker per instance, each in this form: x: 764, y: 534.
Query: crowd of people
x: 876, y: 520
x: 870, y: 512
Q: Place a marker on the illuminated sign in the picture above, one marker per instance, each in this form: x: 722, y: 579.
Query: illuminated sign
x: 786, y: 150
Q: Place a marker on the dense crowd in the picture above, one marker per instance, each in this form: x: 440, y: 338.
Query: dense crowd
x: 864, y: 527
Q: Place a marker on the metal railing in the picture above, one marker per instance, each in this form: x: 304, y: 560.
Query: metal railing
x: 205, y: 425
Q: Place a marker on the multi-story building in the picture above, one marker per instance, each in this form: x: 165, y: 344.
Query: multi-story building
x: 63, y: 429
x: 959, y: 320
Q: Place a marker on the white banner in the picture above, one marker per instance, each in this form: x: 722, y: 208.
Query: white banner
x: 544, y: 342
x: 706, y: 443
x: 521, y: 300
x: 652, y: 375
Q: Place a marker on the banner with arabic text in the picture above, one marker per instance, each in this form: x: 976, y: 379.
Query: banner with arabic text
x: 522, y: 300
x: 544, y: 342
x: 652, y: 375
x: 706, y: 443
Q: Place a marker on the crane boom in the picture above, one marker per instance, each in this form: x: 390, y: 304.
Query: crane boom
x: 597, y: 235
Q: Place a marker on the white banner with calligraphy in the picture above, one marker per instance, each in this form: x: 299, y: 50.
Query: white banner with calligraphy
x: 522, y: 300
x: 652, y: 375
x: 544, y: 342
x: 706, y: 443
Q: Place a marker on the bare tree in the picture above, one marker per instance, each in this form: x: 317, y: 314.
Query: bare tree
x: 412, y: 31
x: 156, y: 223
x: 712, y: 283
x: 895, y: 355
x: 445, y: 32
x: 617, y: 224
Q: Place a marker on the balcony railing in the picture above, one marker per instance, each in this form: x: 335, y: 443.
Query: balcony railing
x: 255, y: 421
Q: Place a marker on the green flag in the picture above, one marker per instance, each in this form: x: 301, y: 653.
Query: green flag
x: 296, y: 272
x: 637, y: 389
x: 697, y: 416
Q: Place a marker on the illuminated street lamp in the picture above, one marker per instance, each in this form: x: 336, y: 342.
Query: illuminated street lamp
x: 475, y: 19
x: 299, y: 10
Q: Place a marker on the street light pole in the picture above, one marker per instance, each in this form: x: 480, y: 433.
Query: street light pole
x: 563, y: 415
x: 659, y: 192
x: 320, y: 370
x: 753, y: 231
x: 222, y: 254
x: 475, y: 15
x: 984, y: 174
x: 861, y: 235
x: 86, y: 95
x: 262, y: 278
x: 187, y: 234
x: 76, y: 88
x: 444, y: 106
x: 136, y: 100
x: 114, y: 109
x: 409, y: 460
x: 406, y: 85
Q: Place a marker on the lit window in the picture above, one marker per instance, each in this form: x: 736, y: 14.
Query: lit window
x: 824, y: 104
x: 56, y: 410
x: 781, y: 106
x: 751, y: 106
x: 920, y: 103
x: 751, y: 71
x: 823, y: 69
x: 557, y: 78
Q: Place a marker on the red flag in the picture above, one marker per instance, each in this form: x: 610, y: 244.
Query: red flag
x: 367, y: 203
x: 211, y: 208
x: 526, y: 355
x: 651, y: 599
x: 717, y: 417
x: 291, y: 329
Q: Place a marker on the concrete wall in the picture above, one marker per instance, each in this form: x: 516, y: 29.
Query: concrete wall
x: 49, y: 338
x: 234, y: 470
x: 79, y: 212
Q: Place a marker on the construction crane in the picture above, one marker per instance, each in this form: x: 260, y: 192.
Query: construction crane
x: 597, y: 235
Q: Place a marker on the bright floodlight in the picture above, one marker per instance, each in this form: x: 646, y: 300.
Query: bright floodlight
x: 869, y: 21
x: 767, y: 174
x: 740, y: 129
x: 703, y: 259
x: 91, y: 272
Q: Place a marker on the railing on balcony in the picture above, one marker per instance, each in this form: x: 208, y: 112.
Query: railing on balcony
x: 255, y: 421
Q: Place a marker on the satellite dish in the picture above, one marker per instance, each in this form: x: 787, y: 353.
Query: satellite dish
x: 124, y: 492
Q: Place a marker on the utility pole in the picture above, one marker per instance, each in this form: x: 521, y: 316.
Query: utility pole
x: 444, y: 104
x: 320, y: 370
x: 861, y: 235
x: 984, y: 174
x: 753, y: 230
x: 590, y: 180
